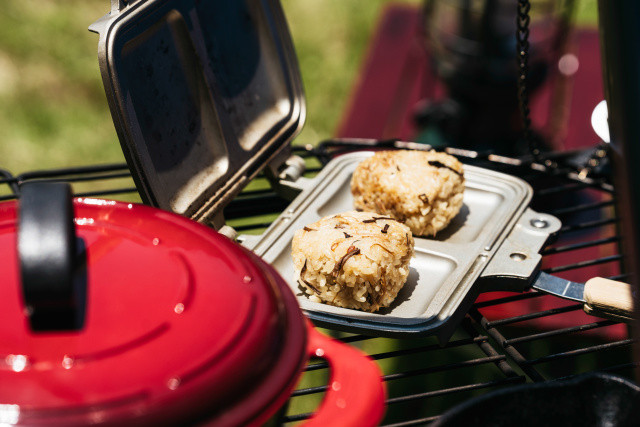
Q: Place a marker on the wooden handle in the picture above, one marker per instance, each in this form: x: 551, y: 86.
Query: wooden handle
x: 608, y: 298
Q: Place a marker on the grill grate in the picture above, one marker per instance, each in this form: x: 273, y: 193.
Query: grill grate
x: 505, y: 339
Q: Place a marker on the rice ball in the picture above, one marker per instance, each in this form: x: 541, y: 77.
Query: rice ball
x: 422, y: 189
x: 355, y: 260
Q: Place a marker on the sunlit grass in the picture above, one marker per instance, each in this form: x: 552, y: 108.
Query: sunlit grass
x: 53, y: 111
x: 331, y: 38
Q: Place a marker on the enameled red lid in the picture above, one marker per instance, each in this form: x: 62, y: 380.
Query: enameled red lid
x: 181, y: 325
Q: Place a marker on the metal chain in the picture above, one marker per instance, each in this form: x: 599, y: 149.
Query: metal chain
x: 522, y: 43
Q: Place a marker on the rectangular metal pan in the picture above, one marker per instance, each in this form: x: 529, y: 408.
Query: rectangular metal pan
x: 446, y: 270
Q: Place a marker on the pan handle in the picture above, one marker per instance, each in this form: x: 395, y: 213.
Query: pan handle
x: 608, y: 298
x: 356, y: 394
x: 47, y: 249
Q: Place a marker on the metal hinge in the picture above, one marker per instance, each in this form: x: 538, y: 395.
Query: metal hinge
x: 101, y: 24
x: 518, y: 258
x: 286, y: 177
x: 287, y: 180
x: 118, y: 5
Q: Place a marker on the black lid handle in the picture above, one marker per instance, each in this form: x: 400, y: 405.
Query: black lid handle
x: 53, y: 291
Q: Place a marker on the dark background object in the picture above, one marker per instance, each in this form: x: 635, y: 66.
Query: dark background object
x: 473, y: 49
x: 620, y: 44
x: 590, y: 400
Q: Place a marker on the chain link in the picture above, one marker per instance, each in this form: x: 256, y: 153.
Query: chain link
x: 522, y: 41
x: 523, y: 48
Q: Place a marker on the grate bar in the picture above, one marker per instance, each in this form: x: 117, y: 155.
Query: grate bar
x: 8, y: 179
x: 442, y: 368
x: 295, y: 418
x: 615, y: 368
x: 97, y: 177
x: 405, y: 352
x: 477, y: 386
x: 505, y: 300
x: 578, y: 352
x: 588, y: 224
x: 514, y: 354
x: 449, y: 344
x: 309, y: 390
x: 355, y: 338
x: 562, y: 188
x: 487, y: 348
x: 582, y: 208
x: 535, y: 315
x: 556, y: 332
x: 67, y: 173
x: 581, y: 264
x: 416, y: 422
x: 413, y: 373
x: 107, y: 192
x: 619, y: 277
x: 581, y: 245
x: 432, y: 347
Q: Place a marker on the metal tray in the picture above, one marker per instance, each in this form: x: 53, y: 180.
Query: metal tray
x: 495, y: 235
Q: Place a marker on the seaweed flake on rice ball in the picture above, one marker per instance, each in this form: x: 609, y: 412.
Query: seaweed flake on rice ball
x: 354, y: 260
x: 422, y: 189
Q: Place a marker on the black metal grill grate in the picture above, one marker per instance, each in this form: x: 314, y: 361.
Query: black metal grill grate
x: 548, y: 339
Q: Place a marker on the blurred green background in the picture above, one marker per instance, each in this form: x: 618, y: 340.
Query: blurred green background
x: 53, y: 111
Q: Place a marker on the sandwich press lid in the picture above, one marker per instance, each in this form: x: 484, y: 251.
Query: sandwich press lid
x: 203, y: 94
x: 177, y: 323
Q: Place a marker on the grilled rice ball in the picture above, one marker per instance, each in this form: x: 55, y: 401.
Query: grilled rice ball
x: 355, y: 260
x: 422, y: 189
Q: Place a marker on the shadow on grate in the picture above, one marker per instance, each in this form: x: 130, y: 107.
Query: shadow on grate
x: 505, y: 339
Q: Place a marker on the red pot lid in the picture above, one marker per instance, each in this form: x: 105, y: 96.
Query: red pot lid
x: 181, y: 325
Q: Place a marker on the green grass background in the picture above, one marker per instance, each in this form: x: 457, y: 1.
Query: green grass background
x: 53, y: 111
